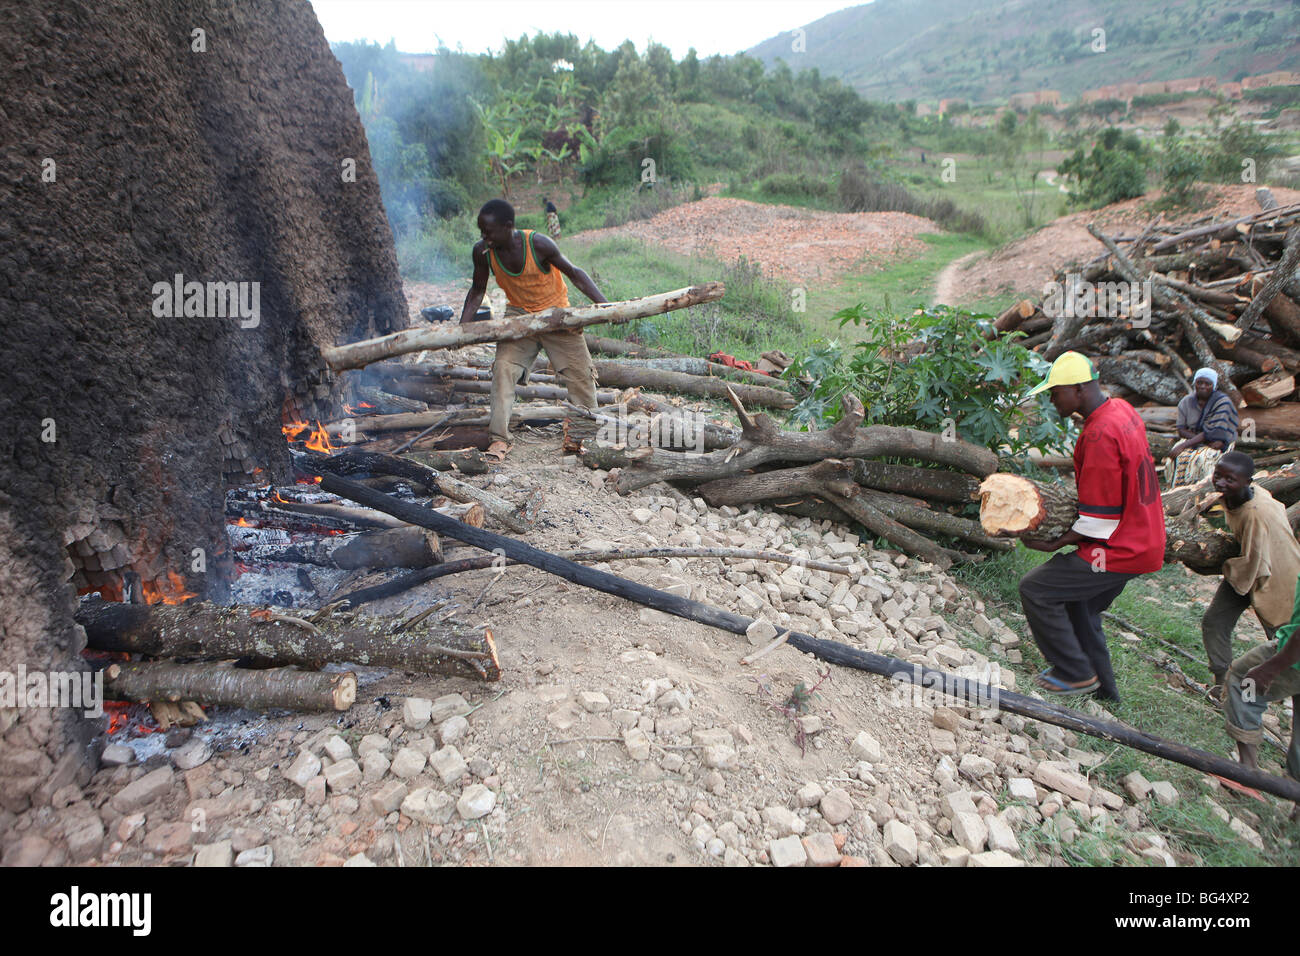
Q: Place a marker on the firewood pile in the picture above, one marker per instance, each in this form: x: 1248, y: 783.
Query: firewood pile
x: 1155, y: 307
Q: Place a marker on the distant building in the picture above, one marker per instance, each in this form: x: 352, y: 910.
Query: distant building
x: 1278, y: 78
x: 946, y: 106
x: 420, y: 62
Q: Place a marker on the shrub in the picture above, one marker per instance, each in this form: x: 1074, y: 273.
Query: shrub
x: 859, y: 191
x: 933, y: 370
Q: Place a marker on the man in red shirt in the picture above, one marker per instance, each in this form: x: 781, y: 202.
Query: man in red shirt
x: 1120, y: 533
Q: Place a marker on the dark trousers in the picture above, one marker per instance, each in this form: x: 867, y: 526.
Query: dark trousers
x: 1063, y: 599
x: 1217, y: 625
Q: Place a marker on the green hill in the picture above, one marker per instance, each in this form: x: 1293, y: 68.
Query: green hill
x: 985, y: 50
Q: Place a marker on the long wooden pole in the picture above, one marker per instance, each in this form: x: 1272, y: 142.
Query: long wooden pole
x: 359, y: 354
x: 830, y: 651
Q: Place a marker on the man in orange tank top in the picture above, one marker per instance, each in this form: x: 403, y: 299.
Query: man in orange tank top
x: 530, y: 269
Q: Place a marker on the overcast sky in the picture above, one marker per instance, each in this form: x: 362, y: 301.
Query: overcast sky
x: 711, y: 26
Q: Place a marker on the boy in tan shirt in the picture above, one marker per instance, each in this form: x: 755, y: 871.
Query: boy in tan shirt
x: 1263, y: 576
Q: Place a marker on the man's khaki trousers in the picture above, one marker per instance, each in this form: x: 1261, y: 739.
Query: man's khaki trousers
x: 569, y: 357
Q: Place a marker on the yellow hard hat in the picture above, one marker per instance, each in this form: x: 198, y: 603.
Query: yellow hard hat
x: 1070, y: 368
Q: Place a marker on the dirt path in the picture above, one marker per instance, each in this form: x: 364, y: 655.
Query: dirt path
x: 949, y: 281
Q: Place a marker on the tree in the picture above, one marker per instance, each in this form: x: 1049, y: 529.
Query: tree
x: 1114, y: 170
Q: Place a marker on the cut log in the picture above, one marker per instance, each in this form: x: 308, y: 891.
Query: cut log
x: 931, y: 484
x: 407, y: 547
x: 831, y: 651
x: 359, y: 354
x: 857, y: 507
x: 1183, y: 309
x: 605, y: 346
x: 466, y: 461
x: 296, y: 516
x: 690, y: 365
x: 1011, y: 319
x: 778, y: 483
x: 1268, y: 390
x: 762, y: 442
x: 1148, y: 382
x: 1200, y: 546
x: 1015, y: 506
x: 278, y: 688
x: 518, y: 518
x: 933, y: 520
x: 200, y: 630
x: 674, y: 429
x: 469, y: 416
x: 471, y: 513
x: 624, y: 375
x: 1282, y: 272
x: 1220, y: 228
x: 551, y: 393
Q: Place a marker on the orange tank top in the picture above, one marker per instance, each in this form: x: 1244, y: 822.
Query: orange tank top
x: 530, y: 289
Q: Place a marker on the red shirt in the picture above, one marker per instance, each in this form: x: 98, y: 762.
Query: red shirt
x: 1119, y: 494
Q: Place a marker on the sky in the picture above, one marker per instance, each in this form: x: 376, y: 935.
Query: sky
x: 711, y: 26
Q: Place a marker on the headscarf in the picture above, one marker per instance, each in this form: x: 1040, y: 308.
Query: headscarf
x: 1206, y: 373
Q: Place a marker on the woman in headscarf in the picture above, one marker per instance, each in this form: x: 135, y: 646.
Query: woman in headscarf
x: 1207, y: 423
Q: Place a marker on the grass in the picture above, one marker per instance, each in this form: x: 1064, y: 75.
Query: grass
x: 902, y: 285
x: 1167, y: 604
x: 753, y: 317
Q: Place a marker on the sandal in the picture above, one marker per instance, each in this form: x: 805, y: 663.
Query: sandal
x: 1054, y: 685
x: 1215, y: 694
x: 497, y: 451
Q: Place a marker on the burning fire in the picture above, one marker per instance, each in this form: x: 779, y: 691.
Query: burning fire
x: 244, y: 523
x: 173, y: 593
x: 318, y: 440
x: 116, y: 711
x: 119, y: 713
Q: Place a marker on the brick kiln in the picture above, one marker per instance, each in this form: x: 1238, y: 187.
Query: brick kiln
x: 142, y: 157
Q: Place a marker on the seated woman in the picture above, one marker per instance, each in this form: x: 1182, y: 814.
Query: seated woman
x: 1207, y: 423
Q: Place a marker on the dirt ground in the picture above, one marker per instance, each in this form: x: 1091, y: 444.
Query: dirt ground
x: 799, y: 245
x: 619, y: 735
x: 1020, y: 268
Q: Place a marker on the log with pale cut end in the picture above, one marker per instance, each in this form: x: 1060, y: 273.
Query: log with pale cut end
x: 1268, y: 390
x: 1014, y: 506
x: 205, y: 631
x: 277, y: 688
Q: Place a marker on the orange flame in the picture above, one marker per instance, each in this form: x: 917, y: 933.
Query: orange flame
x: 244, y: 523
x: 318, y: 440
x: 174, y: 592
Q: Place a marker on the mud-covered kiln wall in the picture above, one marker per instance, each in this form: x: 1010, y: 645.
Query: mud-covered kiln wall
x: 130, y: 156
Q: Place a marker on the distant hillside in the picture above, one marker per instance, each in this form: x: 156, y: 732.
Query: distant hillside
x: 981, y: 50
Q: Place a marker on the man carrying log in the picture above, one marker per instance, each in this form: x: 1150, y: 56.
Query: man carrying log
x: 1120, y: 532
x: 1207, y: 423
x: 530, y: 269
x: 1262, y: 577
